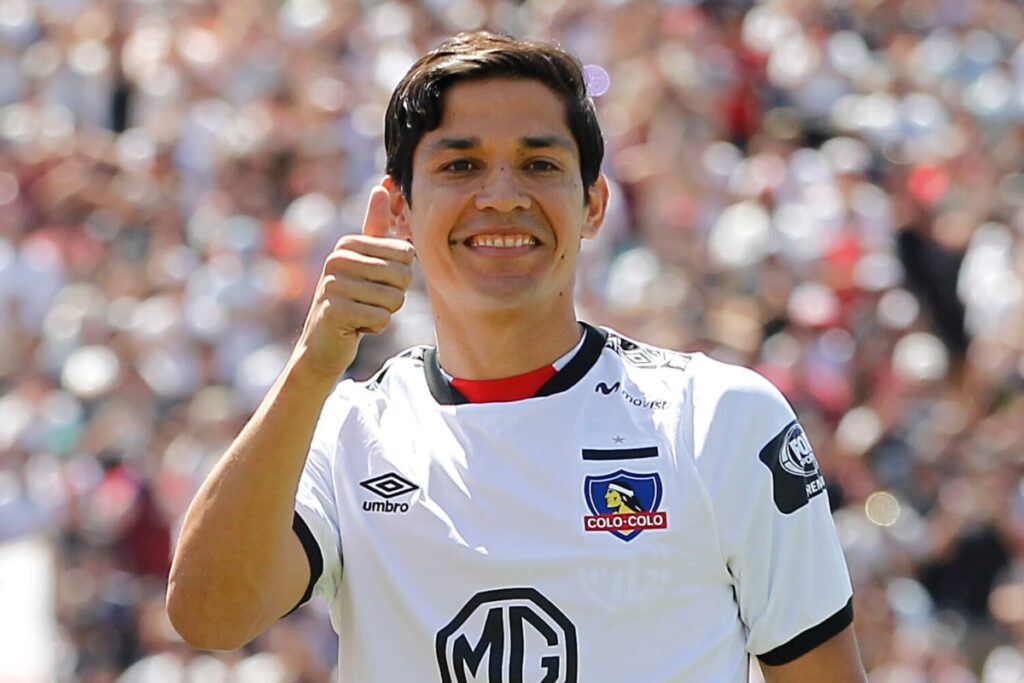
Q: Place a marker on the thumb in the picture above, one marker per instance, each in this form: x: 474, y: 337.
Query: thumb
x: 378, y: 216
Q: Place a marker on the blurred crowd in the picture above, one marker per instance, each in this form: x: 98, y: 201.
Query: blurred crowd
x: 830, y: 191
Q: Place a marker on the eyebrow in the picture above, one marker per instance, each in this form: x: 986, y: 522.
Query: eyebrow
x: 545, y: 141
x: 530, y: 142
x: 452, y: 143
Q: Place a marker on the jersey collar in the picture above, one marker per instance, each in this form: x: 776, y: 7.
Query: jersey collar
x: 593, y: 341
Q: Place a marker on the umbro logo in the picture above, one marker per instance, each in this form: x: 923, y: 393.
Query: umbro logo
x: 387, y: 486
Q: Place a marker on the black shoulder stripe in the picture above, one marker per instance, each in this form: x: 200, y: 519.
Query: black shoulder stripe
x: 811, y: 638
x: 316, y: 559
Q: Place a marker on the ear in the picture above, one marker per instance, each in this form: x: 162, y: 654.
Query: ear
x: 398, y: 209
x: 597, y: 204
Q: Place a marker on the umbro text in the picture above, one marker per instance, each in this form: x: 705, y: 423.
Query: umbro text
x: 384, y: 506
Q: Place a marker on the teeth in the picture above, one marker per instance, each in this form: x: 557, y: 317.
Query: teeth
x: 499, y: 241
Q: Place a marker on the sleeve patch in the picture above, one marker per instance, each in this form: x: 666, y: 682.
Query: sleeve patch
x: 796, y: 477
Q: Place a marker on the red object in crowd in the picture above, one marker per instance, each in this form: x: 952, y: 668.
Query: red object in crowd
x: 928, y: 183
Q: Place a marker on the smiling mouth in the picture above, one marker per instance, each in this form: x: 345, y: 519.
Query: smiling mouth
x: 500, y: 241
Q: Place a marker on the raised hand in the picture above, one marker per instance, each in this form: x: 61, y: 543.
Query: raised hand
x: 362, y: 285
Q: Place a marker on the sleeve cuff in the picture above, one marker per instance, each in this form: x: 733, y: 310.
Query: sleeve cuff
x: 313, y: 555
x: 810, y: 639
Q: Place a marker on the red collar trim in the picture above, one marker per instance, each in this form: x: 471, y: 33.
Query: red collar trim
x: 505, y: 389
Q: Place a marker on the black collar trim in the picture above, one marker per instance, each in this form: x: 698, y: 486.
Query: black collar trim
x: 593, y: 341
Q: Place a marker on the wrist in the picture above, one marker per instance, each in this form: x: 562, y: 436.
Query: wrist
x: 307, y: 375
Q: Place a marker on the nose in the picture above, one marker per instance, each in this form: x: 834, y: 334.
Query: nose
x: 501, y: 191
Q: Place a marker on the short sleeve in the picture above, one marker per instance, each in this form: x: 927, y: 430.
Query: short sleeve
x: 316, y: 513
x: 772, y: 516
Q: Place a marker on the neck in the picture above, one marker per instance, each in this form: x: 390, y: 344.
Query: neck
x: 502, y: 344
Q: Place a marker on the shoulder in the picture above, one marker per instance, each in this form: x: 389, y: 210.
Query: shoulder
x: 399, y: 367
x: 709, y: 382
x: 719, y: 385
x: 395, y: 376
x: 641, y: 356
x: 739, y: 417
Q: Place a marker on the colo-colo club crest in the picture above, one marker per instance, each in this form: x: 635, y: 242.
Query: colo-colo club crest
x: 624, y: 504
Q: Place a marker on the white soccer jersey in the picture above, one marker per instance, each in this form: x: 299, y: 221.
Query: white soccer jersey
x: 649, y: 516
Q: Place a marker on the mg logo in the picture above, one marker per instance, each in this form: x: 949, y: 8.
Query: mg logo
x: 508, y: 635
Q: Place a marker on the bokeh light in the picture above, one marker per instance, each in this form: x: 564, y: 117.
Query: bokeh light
x: 882, y: 508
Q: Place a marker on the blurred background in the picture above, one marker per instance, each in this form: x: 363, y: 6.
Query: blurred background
x: 830, y: 191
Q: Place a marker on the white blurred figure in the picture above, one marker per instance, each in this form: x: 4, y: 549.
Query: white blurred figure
x: 989, y: 284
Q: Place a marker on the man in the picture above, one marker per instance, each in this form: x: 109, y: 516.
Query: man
x: 409, y: 502
x: 621, y: 498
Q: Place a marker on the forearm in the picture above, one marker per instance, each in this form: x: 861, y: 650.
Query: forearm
x: 238, y: 565
x: 229, y: 575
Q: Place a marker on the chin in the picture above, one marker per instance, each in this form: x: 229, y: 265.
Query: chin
x: 493, y: 299
x: 506, y: 299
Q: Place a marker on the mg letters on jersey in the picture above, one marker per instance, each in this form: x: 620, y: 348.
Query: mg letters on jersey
x: 508, y: 635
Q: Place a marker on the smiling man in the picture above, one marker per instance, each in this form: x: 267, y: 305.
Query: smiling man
x: 453, y: 510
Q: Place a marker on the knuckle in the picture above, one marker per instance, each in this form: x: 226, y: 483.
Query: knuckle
x: 396, y: 302
x: 406, y: 254
x: 404, y: 276
x: 337, y: 261
x: 351, y: 264
x: 328, y: 281
x: 334, y: 288
x: 346, y: 242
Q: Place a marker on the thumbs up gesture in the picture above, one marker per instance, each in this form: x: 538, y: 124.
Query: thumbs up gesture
x: 362, y: 285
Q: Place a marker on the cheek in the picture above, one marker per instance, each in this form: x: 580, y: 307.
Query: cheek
x: 440, y: 200
x: 428, y: 218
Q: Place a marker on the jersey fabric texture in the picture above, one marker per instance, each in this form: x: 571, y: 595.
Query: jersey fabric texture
x: 647, y: 516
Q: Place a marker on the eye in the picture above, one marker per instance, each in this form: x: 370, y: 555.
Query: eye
x: 459, y: 166
x: 541, y: 165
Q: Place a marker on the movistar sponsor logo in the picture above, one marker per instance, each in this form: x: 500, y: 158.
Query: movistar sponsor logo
x: 635, y: 401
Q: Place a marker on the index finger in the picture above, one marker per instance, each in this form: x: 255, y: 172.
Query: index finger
x: 378, y: 216
x: 386, y: 248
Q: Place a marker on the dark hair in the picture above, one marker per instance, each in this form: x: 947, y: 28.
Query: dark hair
x: 630, y: 499
x: 417, y: 107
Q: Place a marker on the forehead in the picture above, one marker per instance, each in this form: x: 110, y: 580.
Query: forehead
x: 500, y: 110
